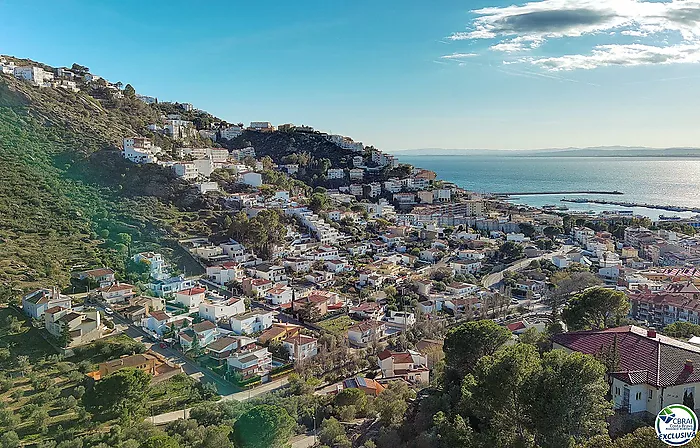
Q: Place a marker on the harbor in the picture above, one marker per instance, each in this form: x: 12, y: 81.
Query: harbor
x: 670, y: 208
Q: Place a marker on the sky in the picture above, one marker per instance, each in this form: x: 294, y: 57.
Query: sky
x: 396, y: 74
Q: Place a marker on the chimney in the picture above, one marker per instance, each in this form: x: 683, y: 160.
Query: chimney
x: 688, y: 366
x: 651, y: 333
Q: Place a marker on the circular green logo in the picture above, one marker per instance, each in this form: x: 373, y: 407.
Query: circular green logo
x: 676, y: 425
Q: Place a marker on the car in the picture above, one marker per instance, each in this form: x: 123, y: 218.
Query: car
x: 514, y: 301
x: 163, y: 345
x: 109, y: 311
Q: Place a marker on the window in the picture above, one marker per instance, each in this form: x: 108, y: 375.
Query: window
x: 651, y: 394
x: 638, y: 396
x: 617, y: 391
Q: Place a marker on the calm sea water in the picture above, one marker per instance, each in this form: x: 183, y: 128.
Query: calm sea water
x: 660, y: 181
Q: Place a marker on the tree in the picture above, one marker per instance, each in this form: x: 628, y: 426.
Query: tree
x: 391, y: 404
x: 9, y: 439
x: 160, y: 441
x: 331, y: 431
x: 318, y: 202
x: 467, y: 343
x: 195, y: 348
x: 352, y: 397
x: 682, y: 330
x: 499, y: 394
x: 566, y: 399
x: 596, y: 308
x: 65, y: 339
x: 79, y: 69
x: 129, y: 91
x: 510, y: 251
x: 125, y: 239
x: 566, y: 283
x: 263, y: 426
x: 551, y: 232
x: 121, y: 393
x: 527, y: 229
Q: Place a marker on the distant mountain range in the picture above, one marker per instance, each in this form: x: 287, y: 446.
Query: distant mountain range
x: 601, y: 151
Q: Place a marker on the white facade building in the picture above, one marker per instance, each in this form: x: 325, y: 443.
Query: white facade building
x: 140, y: 150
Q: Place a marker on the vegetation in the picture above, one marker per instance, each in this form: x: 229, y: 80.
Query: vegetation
x: 596, y: 308
x: 66, y: 194
x: 682, y: 330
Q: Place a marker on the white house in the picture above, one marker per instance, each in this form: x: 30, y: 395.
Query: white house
x: 400, y: 319
x: 270, y: 272
x: 231, y: 132
x: 465, y: 266
x: 410, y: 366
x: 261, y: 126
x: 140, y: 150
x: 298, y: 264
x: 247, y: 364
x: 459, y: 289
x: 357, y: 174
x: 279, y: 295
x: 335, y: 173
x: 251, y: 178
x: 655, y: 371
x: 224, y: 273
x: 118, y: 292
x: 366, y: 332
x: 190, y: 298
x: 37, y: 302
x: 35, y: 75
x: 217, y: 310
x: 251, y: 322
x: 301, y: 347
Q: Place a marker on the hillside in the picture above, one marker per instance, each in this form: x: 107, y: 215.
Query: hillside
x: 66, y: 195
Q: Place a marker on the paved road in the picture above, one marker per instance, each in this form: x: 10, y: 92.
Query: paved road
x: 302, y: 441
x: 494, y: 279
x: 190, y: 368
x: 168, y: 417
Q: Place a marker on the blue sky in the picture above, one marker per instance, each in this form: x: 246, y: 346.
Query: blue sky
x: 486, y: 74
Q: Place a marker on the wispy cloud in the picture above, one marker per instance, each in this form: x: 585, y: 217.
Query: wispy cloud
x: 624, y: 55
x: 459, y: 56
x: 525, y: 27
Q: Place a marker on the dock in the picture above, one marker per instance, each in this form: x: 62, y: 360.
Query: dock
x: 533, y: 193
x: 670, y: 208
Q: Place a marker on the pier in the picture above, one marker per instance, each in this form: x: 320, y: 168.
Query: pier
x: 533, y: 193
x: 670, y: 208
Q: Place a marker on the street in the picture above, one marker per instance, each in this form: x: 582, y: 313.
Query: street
x: 491, y: 280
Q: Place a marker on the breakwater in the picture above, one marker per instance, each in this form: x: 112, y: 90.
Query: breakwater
x: 670, y: 208
x: 534, y: 193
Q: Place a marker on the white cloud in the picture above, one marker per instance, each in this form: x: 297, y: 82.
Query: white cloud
x: 573, y: 18
x: 522, y: 28
x: 459, y: 56
x: 622, y: 55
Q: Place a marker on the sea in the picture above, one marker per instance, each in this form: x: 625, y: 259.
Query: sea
x: 643, y: 180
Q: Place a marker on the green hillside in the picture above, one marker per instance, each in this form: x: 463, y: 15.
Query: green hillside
x: 66, y: 194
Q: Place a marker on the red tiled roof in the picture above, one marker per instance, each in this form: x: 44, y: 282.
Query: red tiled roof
x: 661, y: 359
x: 54, y: 309
x: 159, y: 315
x: 399, y: 357
x: 515, y: 326
x: 117, y: 287
x: 300, y: 339
x: 203, y: 326
x: 192, y: 291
